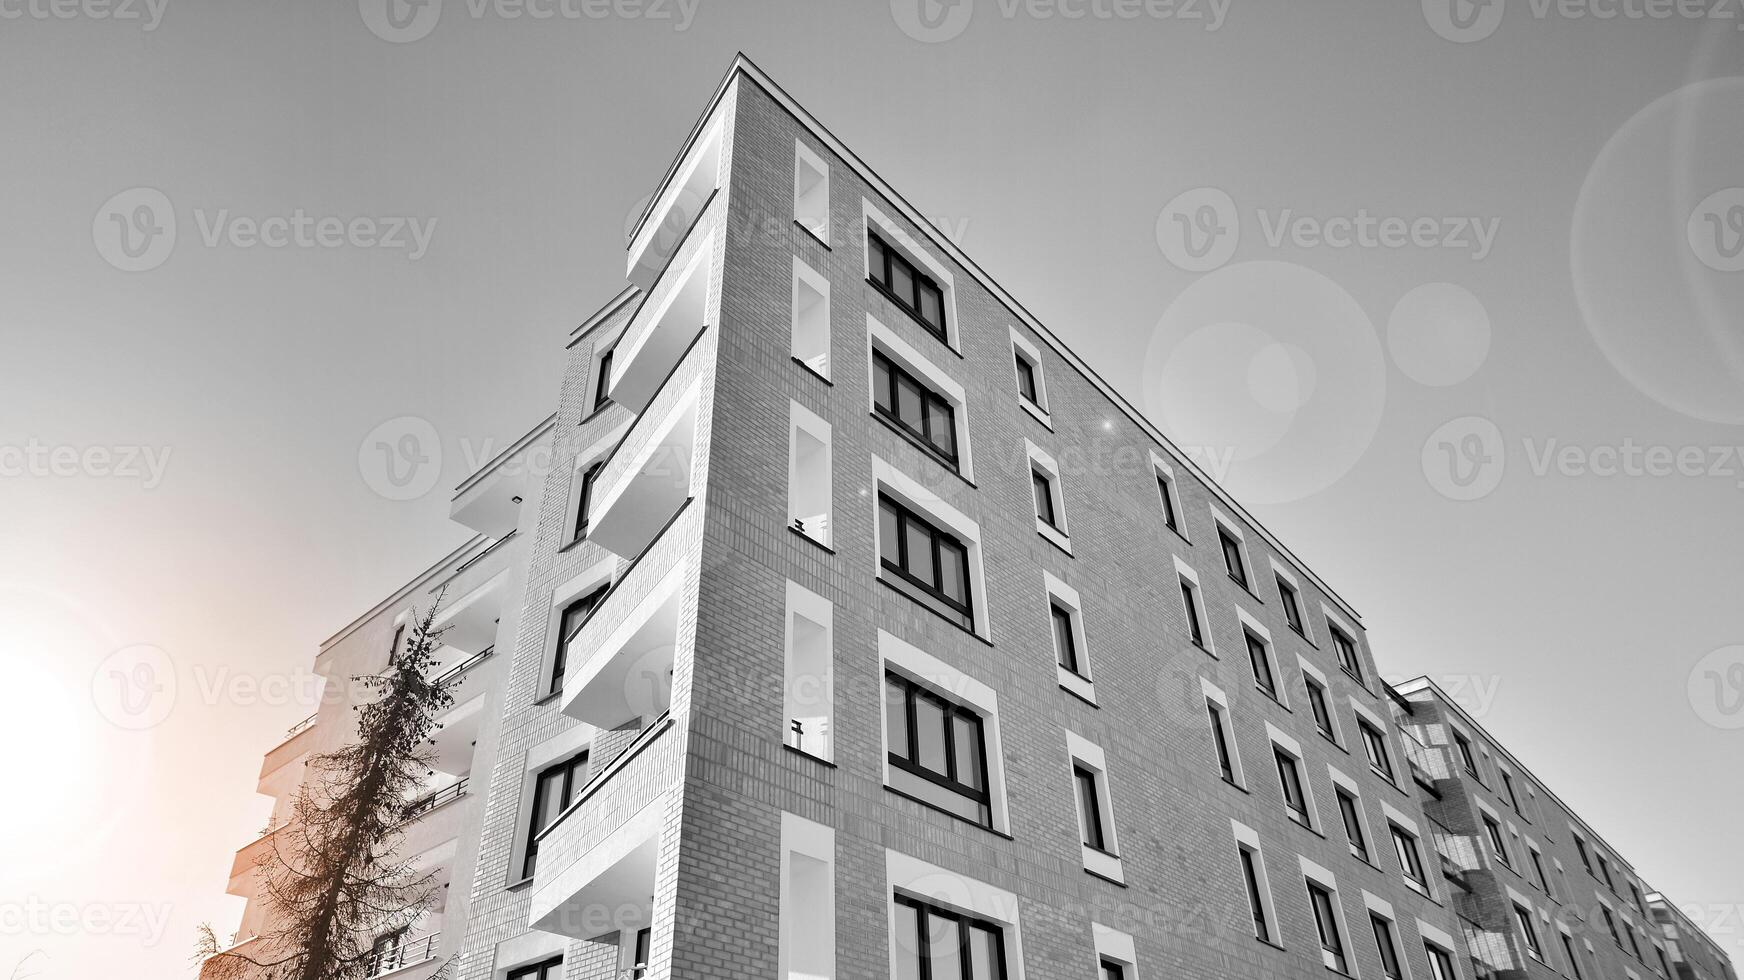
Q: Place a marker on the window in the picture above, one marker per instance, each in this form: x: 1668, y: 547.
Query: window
x: 602, y: 384
x: 639, y: 953
x: 1346, y: 650
x: 908, y: 287
x: 1260, y: 658
x: 1538, y: 870
x: 1605, y: 872
x: 1050, y: 497
x: 1066, y: 626
x: 1353, y: 825
x: 1410, y: 860
x: 1497, y: 844
x: 1232, y: 557
x: 1095, y: 808
x: 1440, y: 963
x: 1465, y: 753
x: 932, y: 561
x: 1375, y: 744
x: 399, y: 638
x: 1635, y: 898
x: 811, y: 192
x: 806, y: 930
x: 1317, y: 704
x: 1026, y: 380
x: 937, y: 750
x: 1634, y: 946
x: 1508, y: 788
x: 934, y: 943
x: 1389, y: 949
x: 1290, y: 782
x: 1195, y: 624
x: 1573, y: 958
x: 1221, y: 739
x: 907, y: 402
x: 1528, y: 931
x: 1031, y: 384
x: 1089, y: 808
x: 1043, y: 486
x: 568, y: 628
x: 1065, y: 647
x: 1292, y: 604
x: 810, y: 500
x: 1253, y: 875
x: 1112, y: 970
x: 584, y: 500
x: 1611, y: 924
x: 1664, y: 964
x: 1169, y: 493
x: 1580, y: 847
x: 811, y: 319
x: 551, y: 969
x: 810, y: 689
x: 554, y: 789
x: 1326, y: 924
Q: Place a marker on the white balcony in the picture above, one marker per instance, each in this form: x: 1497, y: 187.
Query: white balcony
x: 662, y: 330
x: 643, y: 494
x: 489, y: 501
x: 458, y: 730
x: 671, y: 215
x: 609, y: 887
x: 628, y: 672
x: 469, y: 624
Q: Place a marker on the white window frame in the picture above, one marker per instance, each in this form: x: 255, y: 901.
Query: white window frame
x: 1161, y: 470
x: 1353, y: 789
x: 1185, y: 571
x: 1252, y: 625
x: 1327, y: 880
x: 805, y: 276
x: 802, y: 419
x: 1442, y: 940
x: 1283, y: 571
x: 911, y: 661
x: 960, y: 893
x: 1378, y: 906
x: 601, y: 574
x: 804, y: 159
x: 1283, y: 742
x: 1393, y: 817
x: 915, y: 252
x: 559, y: 748
x: 1248, y: 839
x: 809, y: 839
x: 1313, y: 674
x: 1228, y: 525
x: 1081, y: 751
x: 888, y: 479
x: 1395, y: 755
x: 1214, y: 693
x: 1112, y: 944
x: 596, y: 451
x: 802, y: 603
x: 1042, y: 461
x: 1057, y: 592
x: 884, y: 340
x: 1021, y: 347
x: 1335, y: 620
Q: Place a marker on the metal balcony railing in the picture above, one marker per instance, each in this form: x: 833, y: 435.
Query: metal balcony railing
x: 453, y: 673
x: 424, y: 804
x: 404, y: 953
x: 299, y: 728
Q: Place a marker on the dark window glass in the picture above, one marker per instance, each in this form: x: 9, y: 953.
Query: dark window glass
x: 937, y: 750
x: 1528, y: 932
x: 399, y: 637
x: 1195, y: 629
x: 1317, y: 704
x: 1466, y: 758
x: 1113, y: 971
x: 1164, y: 491
x: 933, y: 562
x: 1064, y: 645
x: 1044, y: 498
x: 639, y: 964
x: 1326, y: 923
x: 1220, y: 739
x: 939, y: 944
x: 1089, y: 807
x: 1611, y: 924
x: 1538, y: 869
x: 1346, y: 649
x: 1353, y: 828
x: 908, y: 403
x: 1605, y: 872
x: 602, y: 385
x: 1262, y: 665
x: 1290, y: 781
x: 1440, y: 964
x: 1026, y: 380
x: 1388, y: 949
x: 1405, y: 846
x: 584, y: 503
x: 1496, y: 842
x: 1574, y: 960
x: 554, y: 789
x: 907, y: 286
x: 568, y: 627
x: 1292, y: 607
x: 550, y: 969
x: 1375, y: 744
x: 1250, y: 873
x: 1232, y: 557
x: 1580, y: 847
x: 1508, y: 785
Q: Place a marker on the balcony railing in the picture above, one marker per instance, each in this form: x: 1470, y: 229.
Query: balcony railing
x: 453, y: 673
x: 431, y: 801
x: 409, y: 952
x: 299, y: 728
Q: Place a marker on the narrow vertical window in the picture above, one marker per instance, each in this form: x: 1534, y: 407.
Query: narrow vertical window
x: 1166, y: 491
x: 1064, y: 645
x: 639, y: 955
x: 1497, y: 844
x: 1292, y: 604
x: 1440, y: 963
x: 1026, y: 380
x: 1089, y: 808
x: 1466, y: 759
x: 1260, y: 659
x: 810, y: 491
x: 568, y: 628
x: 554, y: 789
x: 1375, y: 744
x: 1345, y: 648
x: 1326, y: 923
x: 1353, y: 826
x: 1410, y: 861
x: 1317, y: 705
x: 1508, y: 786
x: 811, y: 192
x: 1255, y: 898
x: 810, y: 671
x: 1044, y: 498
x: 1290, y: 782
x: 1528, y: 931
x: 1389, y: 950
x: 602, y: 385
x: 1574, y: 959
x: 1220, y: 741
x: 584, y: 501
x: 1190, y: 600
x: 811, y: 319
x: 1232, y: 557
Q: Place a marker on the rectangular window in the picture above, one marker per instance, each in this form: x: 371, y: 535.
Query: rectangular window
x: 907, y: 286
x: 1375, y: 744
x: 1353, y: 825
x: 1190, y: 601
x: 1166, y: 491
x: 1346, y: 650
x: 806, y: 927
x: 1389, y: 949
x: 1580, y: 847
x: 811, y: 319
x: 1528, y: 931
x: 1574, y: 959
x: 1410, y: 860
x: 1261, y: 661
x: 1026, y: 379
x: 1232, y: 557
x: 1317, y: 705
x: 1326, y: 923
x: 1113, y: 971
x: 602, y: 385
x: 1538, y: 869
x: 1255, y: 896
x: 937, y: 750
x: 1089, y: 808
x: 1497, y: 843
x: 554, y: 789
x: 1611, y: 924
x: 1508, y: 788
x: 1440, y: 963
x: 1220, y: 739
x: 551, y: 969
x: 1044, y: 498
x: 908, y: 403
x: 1605, y: 872
x: 810, y: 491
x: 584, y: 503
x: 1465, y: 753
x: 810, y: 669
x: 1292, y: 604
x: 934, y: 943
x: 811, y: 192
x: 934, y: 563
x: 1065, y: 646
x: 1290, y: 782
x: 568, y: 628
x: 639, y: 954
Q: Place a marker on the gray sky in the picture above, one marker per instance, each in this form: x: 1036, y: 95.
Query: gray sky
x: 1573, y: 606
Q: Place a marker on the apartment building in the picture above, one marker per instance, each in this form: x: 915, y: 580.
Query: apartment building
x: 1694, y: 954
x: 853, y: 627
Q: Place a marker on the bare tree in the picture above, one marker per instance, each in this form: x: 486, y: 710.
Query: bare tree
x: 334, y: 879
